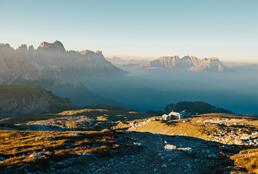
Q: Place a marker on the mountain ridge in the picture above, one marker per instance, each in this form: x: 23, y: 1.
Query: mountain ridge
x: 50, y: 61
x: 185, y: 63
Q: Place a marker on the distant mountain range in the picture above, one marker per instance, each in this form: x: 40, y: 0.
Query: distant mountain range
x: 51, y: 61
x: 87, y: 78
x: 186, y: 63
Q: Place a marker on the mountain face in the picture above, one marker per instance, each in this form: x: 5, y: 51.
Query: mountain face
x: 196, y: 107
x: 51, y: 61
x: 29, y: 100
x: 188, y: 63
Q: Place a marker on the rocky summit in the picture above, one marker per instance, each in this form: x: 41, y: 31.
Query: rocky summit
x: 56, y: 46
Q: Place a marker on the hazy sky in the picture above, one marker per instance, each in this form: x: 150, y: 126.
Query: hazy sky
x: 227, y: 29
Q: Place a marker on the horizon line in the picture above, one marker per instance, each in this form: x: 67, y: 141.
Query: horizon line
x: 128, y: 56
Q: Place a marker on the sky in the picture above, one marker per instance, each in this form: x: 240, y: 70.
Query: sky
x: 227, y: 29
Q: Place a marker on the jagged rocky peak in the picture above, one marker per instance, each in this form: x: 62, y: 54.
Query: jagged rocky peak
x: 93, y: 55
x: 5, y: 46
x: 211, y: 59
x: 191, y: 58
x: 89, y: 52
x: 177, y: 58
x: 169, y: 58
x: 22, y: 48
x: 209, y: 64
x: 190, y: 63
x: 31, y: 48
x: 56, y: 46
x: 99, y: 52
x: 165, y: 61
x: 50, y: 61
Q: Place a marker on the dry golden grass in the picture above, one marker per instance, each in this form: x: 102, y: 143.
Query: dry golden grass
x: 195, y: 126
x: 17, y: 146
x: 14, y: 119
x: 102, y: 118
x: 179, y: 128
x: 103, y: 114
x: 98, y: 114
x: 81, y: 111
x: 247, y: 159
x: 71, y: 124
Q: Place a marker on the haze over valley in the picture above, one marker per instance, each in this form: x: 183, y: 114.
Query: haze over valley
x: 89, y: 78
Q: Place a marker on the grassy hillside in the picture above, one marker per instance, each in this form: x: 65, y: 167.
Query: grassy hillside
x: 38, y: 149
x: 16, y: 99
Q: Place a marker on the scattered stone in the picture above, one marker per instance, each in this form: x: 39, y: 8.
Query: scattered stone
x: 37, y: 156
x: 169, y: 147
x: 76, y: 135
x: 188, y: 150
x: 164, y: 165
x: 137, y: 144
x: 212, y: 155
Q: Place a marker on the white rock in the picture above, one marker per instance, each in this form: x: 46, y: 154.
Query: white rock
x: 164, y: 166
x: 37, y: 156
x: 137, y: 144
x: 169, y: 147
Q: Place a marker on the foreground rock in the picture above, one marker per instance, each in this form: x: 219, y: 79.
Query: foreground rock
x: 149, y: 145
